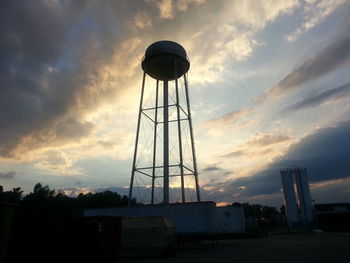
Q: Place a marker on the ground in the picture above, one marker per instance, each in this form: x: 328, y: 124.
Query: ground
x: 293, y: 248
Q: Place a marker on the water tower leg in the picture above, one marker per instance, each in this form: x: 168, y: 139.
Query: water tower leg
x: 166, y: 143
x: 136, y: 140
x: 192, y: 141
x: 155, y: 142
x: 180, y: 142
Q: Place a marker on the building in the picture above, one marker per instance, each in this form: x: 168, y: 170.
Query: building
x: 333, y: 216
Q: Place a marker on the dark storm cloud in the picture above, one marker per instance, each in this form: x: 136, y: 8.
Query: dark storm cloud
x: 322, y: 63
x: 50, y: 56
x: 212, y: 168
x: 234, y: 154
x: 327, y: 60
x: 324, y: 97
x: 7, y: 175
x: 267, y: 140
x: 325, y: 154
x: 34, y: 99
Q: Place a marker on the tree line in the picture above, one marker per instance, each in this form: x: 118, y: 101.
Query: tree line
x: 44, y: 202
x: 263, y: 215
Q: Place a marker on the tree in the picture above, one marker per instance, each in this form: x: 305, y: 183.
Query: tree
x: 264, y: 215
x: 13, y: 196
x: 269, y: 212
x: 43, y: 191
x: 17, y: 193
x: 283, y: 210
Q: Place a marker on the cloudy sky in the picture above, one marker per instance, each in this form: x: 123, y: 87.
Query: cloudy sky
x: 269, y: 86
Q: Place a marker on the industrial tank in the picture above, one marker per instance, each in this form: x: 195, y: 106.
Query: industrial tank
x: 290, y: 199
x: 305, y: 200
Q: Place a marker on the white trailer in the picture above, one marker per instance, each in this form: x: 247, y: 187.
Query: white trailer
x: 188, y: 218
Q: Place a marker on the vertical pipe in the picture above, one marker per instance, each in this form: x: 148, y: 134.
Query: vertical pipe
x: 137, y: 139
x: 180, y: 142
x: 166, y: 143
x: 192, y: 141
x: 155, y: 142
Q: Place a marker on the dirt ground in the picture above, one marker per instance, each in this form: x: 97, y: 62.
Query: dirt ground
x: 292, y: 248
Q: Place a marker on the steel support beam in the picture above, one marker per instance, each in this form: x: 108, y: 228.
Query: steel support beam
x: 166, y: 142
x: 137, y: 139
x: 155, y: 143
x: 180, y: 142
x: 192, y: 140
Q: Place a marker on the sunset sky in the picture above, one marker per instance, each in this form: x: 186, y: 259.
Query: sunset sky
x: 269, y: 86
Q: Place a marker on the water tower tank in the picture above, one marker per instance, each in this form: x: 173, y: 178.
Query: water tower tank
x: 165, y: 60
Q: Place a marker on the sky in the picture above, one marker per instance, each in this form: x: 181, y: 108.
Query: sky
x: 269, y: 86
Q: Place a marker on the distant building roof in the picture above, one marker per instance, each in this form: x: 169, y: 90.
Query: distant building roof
x: 332, y: 208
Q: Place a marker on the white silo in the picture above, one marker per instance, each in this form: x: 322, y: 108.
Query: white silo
x: 305, y: 200
x: 290, y: 201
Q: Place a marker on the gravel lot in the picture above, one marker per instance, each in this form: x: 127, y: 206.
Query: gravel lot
x: 293, y: 248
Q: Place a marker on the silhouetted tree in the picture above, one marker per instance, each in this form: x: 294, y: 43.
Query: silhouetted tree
x: 13, y: 196
x: 283, y: 210
x: 269, y: 212
x: 44, y: 202
x: 264, y: 215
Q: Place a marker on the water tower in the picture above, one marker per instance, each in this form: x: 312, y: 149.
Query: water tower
x: 166, y: 118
